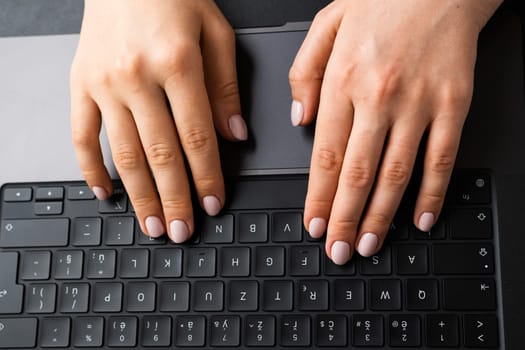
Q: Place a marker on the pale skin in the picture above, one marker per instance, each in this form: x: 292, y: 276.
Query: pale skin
x: 376, y: 74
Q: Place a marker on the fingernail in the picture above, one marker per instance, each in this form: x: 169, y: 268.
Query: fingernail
x: 100, y: 193
x: 238, y: 127
x: 211, y: 205
x: 179, y: 231
x: 426, y: 221
x: 154, y: 226
x: 316, y: 227
x: 367, y: 244
x: 340, y: 252
x: 297, y: 113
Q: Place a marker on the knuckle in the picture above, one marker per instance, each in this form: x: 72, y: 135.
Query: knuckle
x: 385, y: 84
x: 396, y: 173
x: 379, y: 220
x: 226, y: 90
x: 177, y: 59
x: 328, y: 159
x: 160, y: 155
x: 127, y: 157
x: 342, y: 76
x: 343, y: 227
x: 83, y: 139
x: 358, y: 175
x: 432, y: 197
x: 196, y: 140
x: 298, y: 73
x: 441, y: 163
x: 144, y: 202
x: 128, y: 65
x: 207, y: 183
x: 177, y: 207
x: 454, y: 96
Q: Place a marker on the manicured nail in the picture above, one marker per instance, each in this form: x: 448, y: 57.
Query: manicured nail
x: 179, y: 232
x: 317, y: 227
x: 367, y: 244
x: 426, y: 221
x: 238, y: 127
x: 100, y: 193
x: 297, y: 113
x: 154, y: 226
x: 211, y: 205
x: 340, y: 252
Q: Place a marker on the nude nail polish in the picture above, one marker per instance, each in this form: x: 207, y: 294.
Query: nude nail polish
x: 367, y: 245
x: 211, y: 205
x: 100, y: 193
x: 340, y: 252
x: 179, y: 232
x: 317, y: 227
x: 154, y: 226
x: 297, y: 113
x: 238, y: 127
x: 426, y: 221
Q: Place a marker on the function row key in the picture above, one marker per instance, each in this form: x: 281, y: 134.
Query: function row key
x: 21, y: 194
x: 49, y: 194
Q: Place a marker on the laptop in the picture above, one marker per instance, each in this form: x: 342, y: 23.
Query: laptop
x: 78, y: 273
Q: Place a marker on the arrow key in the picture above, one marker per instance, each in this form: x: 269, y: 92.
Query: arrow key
x: 481, y: 331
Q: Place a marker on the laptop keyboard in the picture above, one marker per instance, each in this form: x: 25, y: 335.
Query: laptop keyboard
x: 76, y: 272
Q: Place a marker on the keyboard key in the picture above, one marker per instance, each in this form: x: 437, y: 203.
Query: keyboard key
x: 190, y: 331
x: 143, y: 239
x: 74, y: 298
x: 331, y: 330
x: 398, y: 230
x: 208, y: 296
x: 385, y: 294
x: 348, y: 294
x: 481, y: 331
x: 379, y: 264
x: 11, y: 294
x: 304, y: 261
x: 174, y: 296
x: 295, y: 330
x: 442, y: 330
x: 422, y: 294
x: 225, y: 331
x: 167, y: 262
x: 49, y: 194
x: 36, y: 265
x: 88, y: 332
x: 259, y: 330
x: 75, y: 193
x: 312, y: 295
x: 140, y: 296
x: 217, y: 229
x: 18, y: 333
x: 200, y: 262
x: 469, y: 294
x: 253, y: 228
x: 367, y: 330
x: 269, y: 261
x: 287, y: 227
x: 412, y: 259
x: 134, y: 263
x: 156, y: 331
x: 107, y: 297
x: 243, y: 295
x: 54, y: 332
x: 462, y: 259
x: 122, y: 331
x: 101, y: 263
x: 331, y: 269
x: 473, y: 189
x: 277, y: 295
x: 119, y: 230
x: 471, y: 223
x: 34, y: 233
x: 21, y: 194
x: 235, y: 262
x: 405, y: 330
x: 118, y: 203
x: 40, y: 298
x: 436, y: 232
x: 48, y: 208
x: 67, y: 264
x: 86, y: 232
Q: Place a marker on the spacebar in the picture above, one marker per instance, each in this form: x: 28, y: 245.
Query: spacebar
x: 34, y: 233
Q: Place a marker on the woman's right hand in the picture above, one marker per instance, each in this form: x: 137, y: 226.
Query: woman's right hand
x: 161, y: 75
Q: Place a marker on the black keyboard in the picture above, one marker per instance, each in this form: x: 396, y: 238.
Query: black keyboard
x: 76, y: 272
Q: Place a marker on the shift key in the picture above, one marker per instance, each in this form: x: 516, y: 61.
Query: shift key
x: 34, y: 233
x: 17, y: 333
